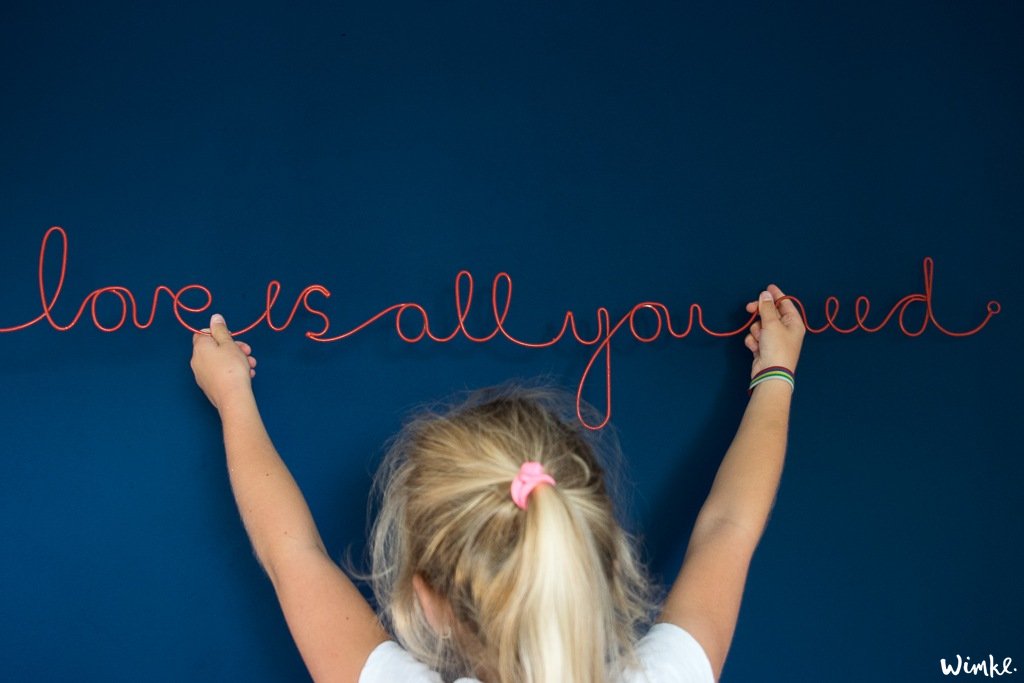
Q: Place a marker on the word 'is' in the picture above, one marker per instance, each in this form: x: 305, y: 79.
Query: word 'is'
x: 501, y: 301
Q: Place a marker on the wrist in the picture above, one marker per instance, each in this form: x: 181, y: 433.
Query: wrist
x: 775, y: 387
x: 774, y: 374
x: 235, y: 400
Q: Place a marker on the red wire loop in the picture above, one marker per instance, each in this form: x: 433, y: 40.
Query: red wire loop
x: 502, y: 283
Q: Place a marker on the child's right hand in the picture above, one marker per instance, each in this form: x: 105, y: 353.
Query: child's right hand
x: 223, y: 367
x: 776, y: 338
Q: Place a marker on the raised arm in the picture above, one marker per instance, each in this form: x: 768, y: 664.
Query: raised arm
x: 333, y: 626
x: 705, y: 598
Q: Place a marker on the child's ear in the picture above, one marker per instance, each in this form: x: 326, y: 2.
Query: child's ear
x: 432, y: 605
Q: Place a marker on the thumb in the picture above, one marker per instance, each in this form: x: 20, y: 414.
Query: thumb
x: 766, y: 307
x: 219, y: 330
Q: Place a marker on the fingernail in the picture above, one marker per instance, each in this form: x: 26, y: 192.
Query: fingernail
x: 216, y: 318
x: 766, y: 296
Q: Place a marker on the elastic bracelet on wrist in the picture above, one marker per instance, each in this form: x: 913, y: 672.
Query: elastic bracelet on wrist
x: 774, y: 372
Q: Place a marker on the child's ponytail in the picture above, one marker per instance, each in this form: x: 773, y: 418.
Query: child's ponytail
x: 555, y: 619
x: 548, y: 593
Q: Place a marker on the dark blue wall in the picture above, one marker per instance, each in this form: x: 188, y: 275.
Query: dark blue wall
x: 602, y: 154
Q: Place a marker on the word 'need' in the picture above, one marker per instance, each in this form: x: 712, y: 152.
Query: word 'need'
x: 501, y: 301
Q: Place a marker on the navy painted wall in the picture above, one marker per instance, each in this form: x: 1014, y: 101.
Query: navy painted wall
x: 600, y: 153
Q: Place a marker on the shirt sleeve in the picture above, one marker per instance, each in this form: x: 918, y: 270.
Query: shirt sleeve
x: 670, y: 654
x: 390, y: 662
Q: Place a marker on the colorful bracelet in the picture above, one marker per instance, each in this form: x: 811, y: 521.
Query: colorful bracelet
x: 774, y: 372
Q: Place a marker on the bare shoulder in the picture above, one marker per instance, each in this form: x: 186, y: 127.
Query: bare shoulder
x: 705, y: 598
x: 332, y: 624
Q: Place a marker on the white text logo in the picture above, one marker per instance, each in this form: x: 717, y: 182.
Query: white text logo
x: 989, y: 667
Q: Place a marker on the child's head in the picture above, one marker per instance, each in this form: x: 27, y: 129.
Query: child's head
x: 552, y: 592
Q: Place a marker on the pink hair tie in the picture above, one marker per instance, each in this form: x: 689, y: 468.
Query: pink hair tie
x: 531, y: 474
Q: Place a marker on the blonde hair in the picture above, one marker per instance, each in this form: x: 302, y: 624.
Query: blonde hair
x: 552, y: 593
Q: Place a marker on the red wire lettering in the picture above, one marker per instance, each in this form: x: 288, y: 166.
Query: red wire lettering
x: 500, y: 306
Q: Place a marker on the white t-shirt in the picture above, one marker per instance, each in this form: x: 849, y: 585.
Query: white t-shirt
x: 668, y: 654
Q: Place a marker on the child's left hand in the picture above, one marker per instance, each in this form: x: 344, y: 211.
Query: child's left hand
x: 223, y: 367
x: 776, y: 338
